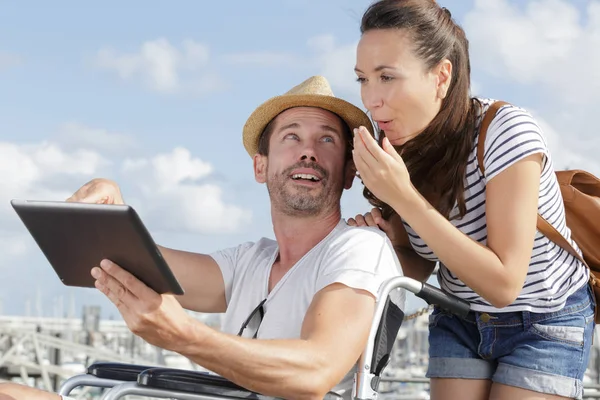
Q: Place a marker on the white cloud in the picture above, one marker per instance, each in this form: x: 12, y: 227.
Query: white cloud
x: 530, y: 44
x: 27, y: 170
x: 263, y: 59
x: 543, y: 43
x: 8, y: 60
x: 547, y: 47
x: 563, y: 156
x: 175, y: 199
x: 76, y: 135
x: 42, y: 171
x: 326, y: 57
x: 164, y: 68
x: 171, y: 190
x: 322, y: 43
x: 52, y: 160
x: 336, y: 63
x: 165, y: 171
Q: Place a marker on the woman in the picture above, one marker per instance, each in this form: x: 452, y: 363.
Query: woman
x: 530, y: 330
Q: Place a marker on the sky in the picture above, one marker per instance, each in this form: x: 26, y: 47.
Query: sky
x: 155, y: 94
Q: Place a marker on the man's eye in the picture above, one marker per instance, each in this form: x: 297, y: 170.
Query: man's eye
x: 292, y: 136
x: 328, y: 139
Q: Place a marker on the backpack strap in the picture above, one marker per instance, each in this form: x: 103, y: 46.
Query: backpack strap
x: 551, y: 233
x: 485, y: 124
x: 542, y: 225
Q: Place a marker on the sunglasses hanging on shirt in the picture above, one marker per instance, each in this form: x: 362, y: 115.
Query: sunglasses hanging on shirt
x: 251, y: 325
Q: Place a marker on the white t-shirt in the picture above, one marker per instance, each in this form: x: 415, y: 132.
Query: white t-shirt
x: 358, y: 257
x: 361, y: 258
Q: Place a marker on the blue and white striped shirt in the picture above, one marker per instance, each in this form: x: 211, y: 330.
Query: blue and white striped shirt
x: 553, y: 273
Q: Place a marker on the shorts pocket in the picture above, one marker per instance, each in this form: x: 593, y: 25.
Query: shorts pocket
x: 572, y: 335
x: 436, y: 315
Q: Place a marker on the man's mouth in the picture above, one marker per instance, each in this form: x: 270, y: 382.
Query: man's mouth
x: 307, y: 174
x: 307, y: 177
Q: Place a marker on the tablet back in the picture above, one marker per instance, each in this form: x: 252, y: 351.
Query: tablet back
x: 75, y: 237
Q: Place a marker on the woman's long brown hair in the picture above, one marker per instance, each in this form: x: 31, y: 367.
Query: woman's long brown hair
x: 437, y: 158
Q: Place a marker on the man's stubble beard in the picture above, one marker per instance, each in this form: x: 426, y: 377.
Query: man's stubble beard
x: 301, y: 202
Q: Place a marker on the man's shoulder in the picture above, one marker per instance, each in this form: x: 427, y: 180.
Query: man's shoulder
x: 260, y: 245
x: 361, y: 233
x: 355, y: 239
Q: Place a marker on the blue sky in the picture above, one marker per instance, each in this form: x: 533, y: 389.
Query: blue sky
x: 154, y: 95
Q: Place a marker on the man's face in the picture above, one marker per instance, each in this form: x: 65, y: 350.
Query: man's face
x: 305, y: 170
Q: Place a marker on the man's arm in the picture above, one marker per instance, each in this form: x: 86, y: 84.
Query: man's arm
x: 334, y: 330
x: 334, y: 333
x: 201, y: 279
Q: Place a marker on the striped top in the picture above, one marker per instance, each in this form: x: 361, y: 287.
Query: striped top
x: 553, y: 273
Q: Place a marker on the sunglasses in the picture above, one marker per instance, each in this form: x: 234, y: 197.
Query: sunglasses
x: 252, y: 323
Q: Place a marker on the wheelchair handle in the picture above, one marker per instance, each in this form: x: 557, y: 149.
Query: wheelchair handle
x: 433, y: 295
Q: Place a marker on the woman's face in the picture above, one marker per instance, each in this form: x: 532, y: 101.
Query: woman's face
x: 402, y: 96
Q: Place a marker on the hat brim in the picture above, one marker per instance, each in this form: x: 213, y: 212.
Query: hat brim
x: 260, y: 118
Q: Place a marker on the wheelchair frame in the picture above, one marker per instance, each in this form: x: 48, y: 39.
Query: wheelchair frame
x: 126, y: 379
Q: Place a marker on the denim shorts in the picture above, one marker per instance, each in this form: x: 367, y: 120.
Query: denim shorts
x: 542, y: 352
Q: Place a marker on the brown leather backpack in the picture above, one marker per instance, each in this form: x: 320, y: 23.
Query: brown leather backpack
x: 581, y: 196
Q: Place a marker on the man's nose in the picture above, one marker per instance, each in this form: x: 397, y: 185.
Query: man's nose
x: 308, y: 153
x: 308, y: 156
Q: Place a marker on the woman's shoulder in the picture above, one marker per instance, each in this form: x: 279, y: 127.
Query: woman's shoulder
x: 512, y: 135
x: 508, y: 108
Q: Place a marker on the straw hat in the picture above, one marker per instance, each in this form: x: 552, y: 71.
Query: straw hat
x: 313, y: 92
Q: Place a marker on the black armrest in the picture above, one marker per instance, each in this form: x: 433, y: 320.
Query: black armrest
x: 385, y: 338
x: 116, y: 371
x: 195, y: 382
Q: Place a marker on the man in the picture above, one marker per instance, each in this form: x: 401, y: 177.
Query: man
x: 311, y: 291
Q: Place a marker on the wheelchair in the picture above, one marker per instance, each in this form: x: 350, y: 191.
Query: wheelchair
x: 170, y: 383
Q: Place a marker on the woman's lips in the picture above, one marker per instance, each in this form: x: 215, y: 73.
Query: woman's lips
x: 384, y: 125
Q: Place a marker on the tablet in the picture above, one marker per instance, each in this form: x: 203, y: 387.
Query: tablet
x: 75, y: 237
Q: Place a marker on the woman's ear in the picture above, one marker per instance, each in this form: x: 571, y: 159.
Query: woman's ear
x: 260, y: 168
x: 444, y: 78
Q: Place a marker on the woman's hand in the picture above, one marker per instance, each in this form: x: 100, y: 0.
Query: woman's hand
x: 413, y: 265
x: 382, y: 170
x: 393, y: 228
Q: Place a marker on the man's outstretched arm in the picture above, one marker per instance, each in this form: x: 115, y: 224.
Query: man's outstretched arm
x: 201, y: 279
x: 334, y: 333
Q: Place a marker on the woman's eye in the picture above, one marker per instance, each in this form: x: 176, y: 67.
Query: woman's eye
x: 360, y: 80
x: 328, y: 139
x: 386, y: 78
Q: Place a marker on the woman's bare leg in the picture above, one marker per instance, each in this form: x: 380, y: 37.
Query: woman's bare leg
x: 505, y: 392
x: 464, y: 389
